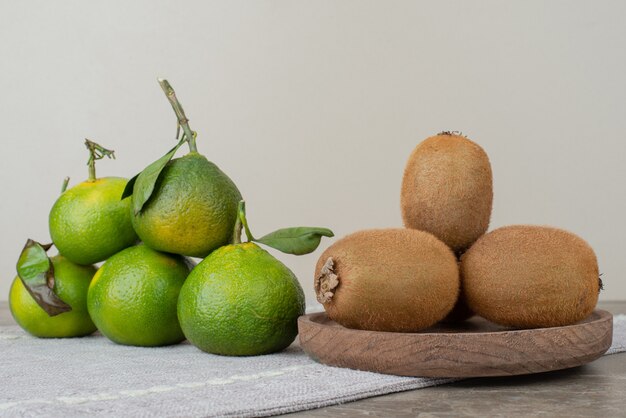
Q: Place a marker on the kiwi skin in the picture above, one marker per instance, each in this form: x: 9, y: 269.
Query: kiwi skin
x: 527, y: 276
x: 399, y: 280
x: 447, y: 190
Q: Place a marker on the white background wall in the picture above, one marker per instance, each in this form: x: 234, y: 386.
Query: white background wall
x: 312, y: 107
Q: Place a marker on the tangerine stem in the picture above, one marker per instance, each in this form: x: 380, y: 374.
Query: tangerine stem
x: 237, y: 232
x: 238, y: 223
x: 241, y: 223
x: 180, y: 113
x: 91, y: 163
x: 241, y: 214
x: 66, y: 181
x: 96, y: 152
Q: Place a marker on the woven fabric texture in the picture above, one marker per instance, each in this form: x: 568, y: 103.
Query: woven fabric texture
x: 92, y: 376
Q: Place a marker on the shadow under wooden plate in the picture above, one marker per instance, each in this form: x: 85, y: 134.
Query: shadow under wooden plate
x: 474, y: 349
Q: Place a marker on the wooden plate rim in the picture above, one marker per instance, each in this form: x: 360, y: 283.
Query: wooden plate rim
x: 603, y: 316
x: 352, y: 348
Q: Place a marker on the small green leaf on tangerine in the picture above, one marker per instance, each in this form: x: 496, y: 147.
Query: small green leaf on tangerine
x: 128, y: 189
x: 298, y: 240
x: 35, y: 270
x: 143, y: 185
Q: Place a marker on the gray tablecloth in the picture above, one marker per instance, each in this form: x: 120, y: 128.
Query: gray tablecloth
x: 94, y: 377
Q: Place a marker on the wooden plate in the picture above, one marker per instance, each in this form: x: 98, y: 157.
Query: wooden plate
x: 476, y: 348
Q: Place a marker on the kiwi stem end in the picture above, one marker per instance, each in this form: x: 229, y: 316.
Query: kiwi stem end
x: 326, y: 282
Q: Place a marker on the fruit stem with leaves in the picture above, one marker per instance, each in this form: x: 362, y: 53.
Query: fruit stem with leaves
x: 96, y: 152
x: 297, y: 240
x: 241, y: 223
x: 183, y: 122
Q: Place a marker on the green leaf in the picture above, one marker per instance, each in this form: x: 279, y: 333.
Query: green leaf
x: 298, y: 240
x: 35, y: 270
x: 128, y: 189
x: 146, y: 180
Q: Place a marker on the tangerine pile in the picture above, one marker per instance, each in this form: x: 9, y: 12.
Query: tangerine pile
x: 238, y: 300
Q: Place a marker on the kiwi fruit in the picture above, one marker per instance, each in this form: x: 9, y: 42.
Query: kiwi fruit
x: 399, y: 280
x: 526, y: 276
x: 447, y: 190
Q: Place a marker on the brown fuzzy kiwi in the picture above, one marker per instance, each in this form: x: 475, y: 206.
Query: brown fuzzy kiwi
x: 447, y: 190
x: 398, y: 280
x: 531, y: 276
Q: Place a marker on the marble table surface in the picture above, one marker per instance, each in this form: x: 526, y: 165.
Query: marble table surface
x: 597, y: 389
